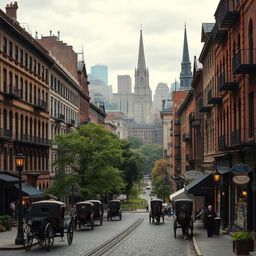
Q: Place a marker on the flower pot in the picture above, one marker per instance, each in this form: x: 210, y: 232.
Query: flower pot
x: 243, y: 247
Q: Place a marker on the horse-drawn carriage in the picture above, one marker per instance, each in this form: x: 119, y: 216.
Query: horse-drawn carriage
x: 114, y: 210
x: 156, y: 211
x: 47, y: 222
x: 84, y: 214
x: 183, y: 217
x: 98, y: 210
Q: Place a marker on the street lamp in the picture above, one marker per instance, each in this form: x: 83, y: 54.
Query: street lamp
x: 216, y: 178
x: 19, y: 160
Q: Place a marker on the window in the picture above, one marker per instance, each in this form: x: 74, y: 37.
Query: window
x: 34, y: 66
x: 42, y: 71
x: 30, y: 63
x: 34, y: 94
x: 16, y: 81
x: 21, y: 56
x: 16, y: 125
x: 16, y: 53
x: 30, y: 93
x: 10, y: 81
x: 251, y: 39
x: 10, y: 121
x: 251, y: 114
x: 21, y: 88
x: 52, y: 81
x: 10, y: 49
x: 21, y: 125
x: 26, y: 60
x: 5, y: 46
x: 5, y: 79
x: 26, y: 90
x: 46, y: 75
x: 38, y: 69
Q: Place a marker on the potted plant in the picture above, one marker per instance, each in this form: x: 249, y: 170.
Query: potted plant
x: 243, y: 243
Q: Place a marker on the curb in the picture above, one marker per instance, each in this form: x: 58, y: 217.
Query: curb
x: 15, y: 247
x: 198, y: 251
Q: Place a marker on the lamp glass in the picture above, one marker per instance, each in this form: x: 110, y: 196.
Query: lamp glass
x: 19, y: 159
x: 244, y: 193
x: 216, y: 177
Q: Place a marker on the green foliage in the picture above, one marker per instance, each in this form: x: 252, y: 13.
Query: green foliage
x: 161, y: 188
x: 135, y: 141
x: 151, y: 153
x: 242, y: 236
x: 89, y: 158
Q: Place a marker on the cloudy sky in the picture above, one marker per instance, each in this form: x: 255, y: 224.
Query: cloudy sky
x: 108, y: 30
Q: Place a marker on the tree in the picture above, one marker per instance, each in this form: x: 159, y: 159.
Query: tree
x: 159, y: 169
x: 161, y: 188
x: 131, y: 166
x: 135, y: 141
x: 89, y: 157
x: 151, y: 153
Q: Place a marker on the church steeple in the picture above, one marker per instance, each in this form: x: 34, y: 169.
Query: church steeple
x: 141, y: 72
x: 186, y: 74
x: 141, y: 59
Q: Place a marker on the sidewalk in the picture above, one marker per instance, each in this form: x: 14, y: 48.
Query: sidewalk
x: 212, y: 246
x: 7, y: 240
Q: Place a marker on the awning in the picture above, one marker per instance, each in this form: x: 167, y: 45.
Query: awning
x: 9, y: 178
x: 29, y: 190
x: 223, y: 169
x: 202, y: 186
x: 180, y: 194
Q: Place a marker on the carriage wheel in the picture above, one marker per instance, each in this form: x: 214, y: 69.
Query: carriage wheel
x: 28, y: 237
x: 70, y: 233
x: 175, y: 227
x: 48, y: 236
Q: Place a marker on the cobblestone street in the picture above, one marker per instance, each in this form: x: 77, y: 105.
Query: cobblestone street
x: 147, y: 239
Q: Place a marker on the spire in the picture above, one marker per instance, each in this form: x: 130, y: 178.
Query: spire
x: 185, y: 57
x: 141, y: 58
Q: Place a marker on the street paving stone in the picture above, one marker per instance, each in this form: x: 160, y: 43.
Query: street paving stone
x: 147, y: 239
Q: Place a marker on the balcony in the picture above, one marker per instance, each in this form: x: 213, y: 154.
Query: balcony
x: 41, y: 105
x: 14, y: 93
x: 219, y: 35
x: 221, y: 143
x: 186, y: 137
x: 227, y: 15
x: 244, y: 61
x: 177, y: 122
x: 29, y: 139
x: 71, y: 122
x: 236, y: 138
x: 212, y: 99
x: 60, y: 118
x: 42, y: 141
x: 5, y: 134
x: 227, y: 81
x: 202, y: 107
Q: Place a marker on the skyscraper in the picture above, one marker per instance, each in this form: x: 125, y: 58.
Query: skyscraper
x: 100, y: 72
x: 161, y: 92
x: 124, y: 84
x: 142, y: 91
x: 186, y: 74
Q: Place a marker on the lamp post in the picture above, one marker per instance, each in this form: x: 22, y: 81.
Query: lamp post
x: 216, y: 178
x: 19, y: 160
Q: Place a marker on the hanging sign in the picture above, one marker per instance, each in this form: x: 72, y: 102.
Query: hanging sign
x: 240, y: 168
x: 192, y: 175
x: 241, y: 179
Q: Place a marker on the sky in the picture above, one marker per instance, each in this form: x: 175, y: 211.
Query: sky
x: 108, y: 31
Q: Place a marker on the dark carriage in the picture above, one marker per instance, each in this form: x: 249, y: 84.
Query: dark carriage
x: 156, y: 211
x: 114, y: 210
x: 183, y: 217
x: 84, y: 214
x: 98, y: 210
x: 47, y: 222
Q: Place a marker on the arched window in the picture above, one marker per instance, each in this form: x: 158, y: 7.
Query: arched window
x: 251, y: 39
x: 21, y: 125
x: 35, y: 128
x: 39, y: 129
x: 43, y: 130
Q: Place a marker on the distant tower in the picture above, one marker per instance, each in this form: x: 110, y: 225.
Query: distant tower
x: 100, y: 72
x: 186, y: 74
x: 142, y: 91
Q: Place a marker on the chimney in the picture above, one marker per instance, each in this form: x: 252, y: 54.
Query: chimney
x: 11, y: 10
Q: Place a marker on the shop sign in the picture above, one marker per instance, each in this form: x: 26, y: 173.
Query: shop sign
x: 240, y: 169
x: 241, y: 179
x: 192, y: 175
